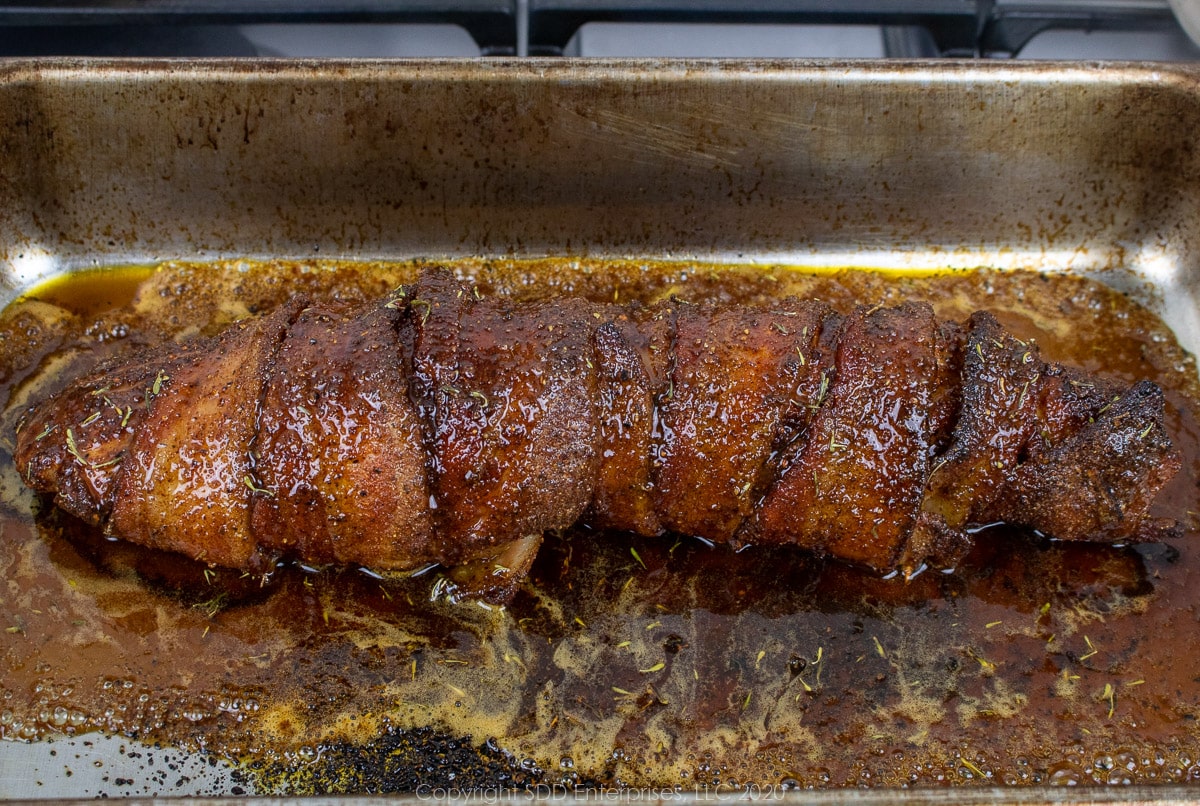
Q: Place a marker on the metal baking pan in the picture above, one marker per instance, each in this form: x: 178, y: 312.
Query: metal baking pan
x: 1086, y: 168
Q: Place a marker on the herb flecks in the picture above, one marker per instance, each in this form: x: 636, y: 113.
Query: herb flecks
x: 73, y: 449
x: 210, y: 607
x: 425, y: 305
x: 398, y: 299
x: 821, y: 392
x: 986, y: 665
x: 974, y: 770
x: 803, y: 666
x: 637, y: 557
x: 248, y: 480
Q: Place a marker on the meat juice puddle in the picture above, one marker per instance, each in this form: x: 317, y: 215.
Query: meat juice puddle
x: 622, y: 661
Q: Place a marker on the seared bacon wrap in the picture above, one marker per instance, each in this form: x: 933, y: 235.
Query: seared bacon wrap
x: 434, y: 426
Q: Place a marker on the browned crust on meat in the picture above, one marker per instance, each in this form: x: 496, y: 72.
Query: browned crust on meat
x: 338, y: 464
x: 439, y: 426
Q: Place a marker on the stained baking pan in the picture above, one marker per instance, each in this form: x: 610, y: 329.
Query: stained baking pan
x: 1085, y: 169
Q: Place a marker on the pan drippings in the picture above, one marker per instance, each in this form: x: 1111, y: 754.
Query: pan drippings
x: 622, y: 660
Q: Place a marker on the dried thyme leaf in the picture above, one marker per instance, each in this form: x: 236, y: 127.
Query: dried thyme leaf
x: 637, y: 556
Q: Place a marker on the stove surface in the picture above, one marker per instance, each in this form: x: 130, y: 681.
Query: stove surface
x: 1036, y: 29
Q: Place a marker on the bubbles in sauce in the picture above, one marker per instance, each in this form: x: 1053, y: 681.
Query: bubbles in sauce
x: 623, y: 661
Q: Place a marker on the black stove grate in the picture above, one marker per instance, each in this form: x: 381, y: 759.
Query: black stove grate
x: 911, y: 28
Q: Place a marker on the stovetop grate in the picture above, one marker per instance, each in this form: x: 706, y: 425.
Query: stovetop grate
x: 909, y: 28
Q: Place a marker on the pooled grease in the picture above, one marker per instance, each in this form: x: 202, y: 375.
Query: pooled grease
x: 622, y: 661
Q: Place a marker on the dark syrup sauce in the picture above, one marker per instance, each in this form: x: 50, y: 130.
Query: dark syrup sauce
x: 622, y: 661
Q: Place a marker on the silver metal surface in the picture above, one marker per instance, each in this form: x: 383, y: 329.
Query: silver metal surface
x: 1036, y: 167
x: 1087, y: 168
x: 93, y: 766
